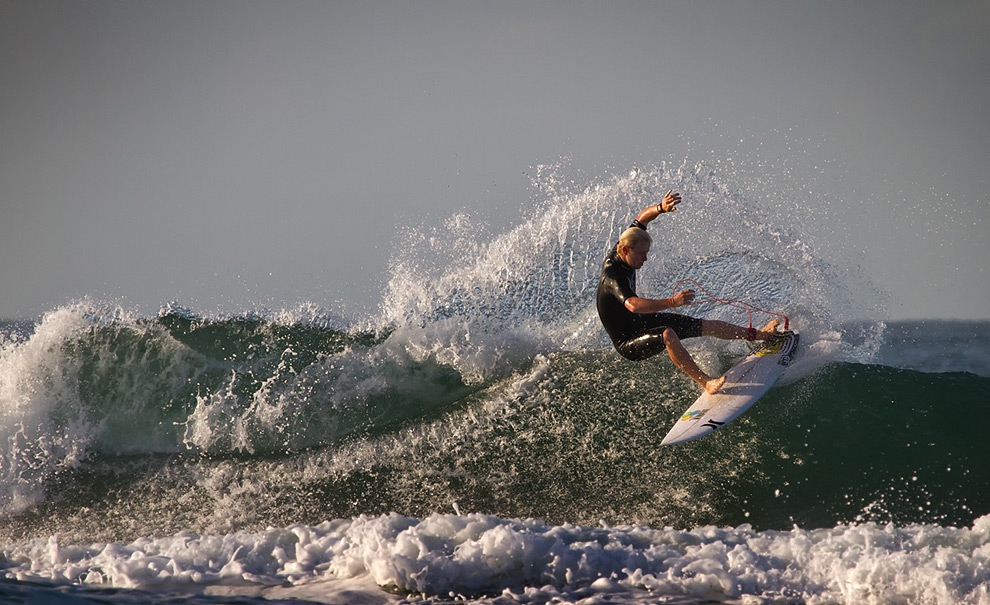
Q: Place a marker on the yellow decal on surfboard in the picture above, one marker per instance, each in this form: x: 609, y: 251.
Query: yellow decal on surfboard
x: 771, y: 347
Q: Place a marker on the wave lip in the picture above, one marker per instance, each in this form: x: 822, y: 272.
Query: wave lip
x: 43, y: 424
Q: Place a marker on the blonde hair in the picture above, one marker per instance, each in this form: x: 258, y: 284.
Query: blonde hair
x: 634, y: 236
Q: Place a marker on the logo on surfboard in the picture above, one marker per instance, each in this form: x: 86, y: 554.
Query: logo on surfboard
x: 693, y: 414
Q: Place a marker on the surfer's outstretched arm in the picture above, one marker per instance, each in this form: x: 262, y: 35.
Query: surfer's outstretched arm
x: 667, y: 204
x: 637, y: 304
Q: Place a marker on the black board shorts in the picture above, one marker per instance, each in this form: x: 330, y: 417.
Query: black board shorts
x: 650, y: 342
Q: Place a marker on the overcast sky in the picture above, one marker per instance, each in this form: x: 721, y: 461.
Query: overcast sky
x: 227, y: 154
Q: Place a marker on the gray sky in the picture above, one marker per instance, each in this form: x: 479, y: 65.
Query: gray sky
x: 227, y: 154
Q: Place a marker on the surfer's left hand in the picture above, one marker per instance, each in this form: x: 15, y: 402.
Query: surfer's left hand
x: 669, y: 201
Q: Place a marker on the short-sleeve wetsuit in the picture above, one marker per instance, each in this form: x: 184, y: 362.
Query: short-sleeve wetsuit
x: 636, y: 336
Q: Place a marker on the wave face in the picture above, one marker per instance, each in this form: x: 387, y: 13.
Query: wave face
x: 485, y: 386
x: 289, y: 418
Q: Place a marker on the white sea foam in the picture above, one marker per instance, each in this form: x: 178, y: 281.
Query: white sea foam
x: 481, y: 557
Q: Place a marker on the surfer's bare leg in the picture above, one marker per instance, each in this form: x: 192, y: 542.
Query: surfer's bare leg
x: 683, y: 360
x: 727, y: 331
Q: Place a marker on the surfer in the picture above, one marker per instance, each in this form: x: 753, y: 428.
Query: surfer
x: 639, y: 327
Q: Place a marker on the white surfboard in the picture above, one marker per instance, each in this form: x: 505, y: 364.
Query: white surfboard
x: 745, y: 382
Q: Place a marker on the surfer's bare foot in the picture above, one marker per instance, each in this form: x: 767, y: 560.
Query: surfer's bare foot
x: 769, y: 330
x: 712, y: 385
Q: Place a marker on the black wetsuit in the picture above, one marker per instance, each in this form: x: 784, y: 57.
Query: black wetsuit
x: 636, y: 336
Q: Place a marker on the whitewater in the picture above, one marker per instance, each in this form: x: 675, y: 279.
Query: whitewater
x: 476, y: 439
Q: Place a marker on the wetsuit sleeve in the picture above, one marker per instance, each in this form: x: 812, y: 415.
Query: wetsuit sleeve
x: 618, y: 286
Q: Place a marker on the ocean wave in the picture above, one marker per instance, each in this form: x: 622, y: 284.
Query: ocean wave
x: 485, y: 383
x: 564, y: 436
